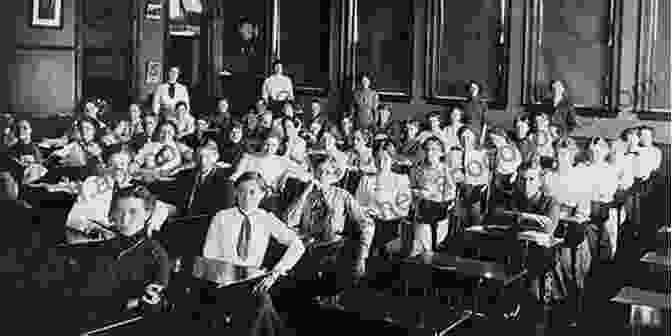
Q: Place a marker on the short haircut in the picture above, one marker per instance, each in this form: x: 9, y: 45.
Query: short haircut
x: 276, y: 62
x: 431, y: 139
x: 316, y: 101
x: 647, y: 128
x: 250, y: 176
x: 140, y: 192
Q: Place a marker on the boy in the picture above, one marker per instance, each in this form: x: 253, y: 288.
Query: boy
x: 240, y: 235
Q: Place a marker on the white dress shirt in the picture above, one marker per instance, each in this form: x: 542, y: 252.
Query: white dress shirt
x: 163, y: 100
x: 274, y: 85
x: 222, y: 239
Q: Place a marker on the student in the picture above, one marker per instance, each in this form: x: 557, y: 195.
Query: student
x: 83, y: 156
x: 26, y: 155
x: 475, y: 108
x: 650, y: 155
x: 324, y: 212
x: 314, y: 113
x: 240, y: 235
x: 185, y: 122
x: 135, y: 119
x: 435, y: 122
x: 277, y: 89
x: 410, y: 150
x: 434, y: 194
x: 200, y: 136
x: 222, y: 118
x: 475, y: 166
x: 295, y: 146
x: 131, y: 270
x: 386, y: 196
x: 520, y: 137
x: 543, y: 140
x: 559, y: 108
x: 233, y: 147
x: 452, y: 129
x: 167, y: 95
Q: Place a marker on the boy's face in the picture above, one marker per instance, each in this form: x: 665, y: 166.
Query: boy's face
x: 645, y: 137
x: 134, y: 111
x: 202, y: 125
x: 223, y: 106
x: 435, y: 122
x: 129, y: 215
x: 236, y: 134
x: 315, y: 107
x: 249, y: 194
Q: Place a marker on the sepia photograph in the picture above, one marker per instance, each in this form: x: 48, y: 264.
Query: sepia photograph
x: 337, y: 167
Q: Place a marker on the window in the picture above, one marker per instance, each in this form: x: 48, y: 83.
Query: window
x: 573, y: 42
x: 653, y: 72
x: 304, y: 43
x: 384, y: 45
x: 468, y: 42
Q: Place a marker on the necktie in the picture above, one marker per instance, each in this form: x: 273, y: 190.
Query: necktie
x: 244, y: 236
x: 316, y: 223
x: 171, y: 90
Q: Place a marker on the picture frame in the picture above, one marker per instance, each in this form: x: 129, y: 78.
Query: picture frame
x: 153, y: 11
x: 153, y: 74
x: 46, y: 14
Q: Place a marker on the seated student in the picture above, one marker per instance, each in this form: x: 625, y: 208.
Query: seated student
x: 232, y: 146
x: 507, y: 159
x: 200, y: 191
x: 573, y: 192
x: 89, y: 214
x: 163, y: 157
x: 315, y: 112
x: 166, y: 137
x: 119, y: 134
x: 149, y: 126
x: 136, y: 123
x: 185, y: 122
x: 409, y: 150
x: 273, y: 168
x: 240, y: 235
x: 313, y: 134
x: 475, y: 167
x: 381, y: 123
x: 222, y: 118
x: 329, y: 144
x: 320, y: 215
x: 650, y: 156
x: 434, y: 193
x: 295, y: 146
x: 250, y: 123
x: 435, y: 122
x: 344, y: 136
x: 130, y: 272
x: 84, y: 155
x: 521, y: 139
x: 200, y: 136
x: 386, y: 196
x: 543, y: 140
x: 26, y: 155
x: 287, y: 113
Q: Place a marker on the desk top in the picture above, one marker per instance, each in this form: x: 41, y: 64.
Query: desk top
x: 469, y: 267
x: 655, y: 258
x: 225, y: 273
x: 498, y: 231
x: 640, y: 297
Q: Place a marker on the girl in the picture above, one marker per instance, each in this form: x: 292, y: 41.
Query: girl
x: 84, y: 154
x: 433, y: 197
x: 185, y: 122
x: 476, y: 169
x: 295, y: 146
x: 386, y: 196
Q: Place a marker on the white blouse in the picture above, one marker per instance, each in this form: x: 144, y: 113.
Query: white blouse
x: 389, y: 196
x: 573, y: 189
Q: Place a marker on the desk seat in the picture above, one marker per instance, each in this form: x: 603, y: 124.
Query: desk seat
x: 648, y: 310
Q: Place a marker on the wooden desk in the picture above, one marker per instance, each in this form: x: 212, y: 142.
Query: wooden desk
x: 648, y: 310
x: 225, y: 274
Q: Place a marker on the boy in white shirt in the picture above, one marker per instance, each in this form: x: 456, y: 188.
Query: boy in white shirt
x: 240, y: 235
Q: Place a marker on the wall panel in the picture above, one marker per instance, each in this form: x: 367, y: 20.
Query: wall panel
x: 43, y: 82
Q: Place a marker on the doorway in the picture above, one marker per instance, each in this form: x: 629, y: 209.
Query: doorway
x: 184, y: 51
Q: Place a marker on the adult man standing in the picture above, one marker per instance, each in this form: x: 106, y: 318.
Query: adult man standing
x: 168, y: 94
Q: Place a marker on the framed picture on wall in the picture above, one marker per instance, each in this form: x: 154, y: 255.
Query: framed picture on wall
x: 153, y: 11
x: 46, y: 13
x: 153, y: 72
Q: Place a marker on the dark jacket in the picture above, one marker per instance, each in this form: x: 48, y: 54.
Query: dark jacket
x: 563, y: 115
x: 474, y: 113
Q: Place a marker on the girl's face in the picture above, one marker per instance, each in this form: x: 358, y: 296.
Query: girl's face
x: 435, y: 123
x: 346, y: 124
x: 411, y: 131
x: 541, y: 122
x: 150, y: 125
x: 223, y: 106
x: 129, y: 215
x: 456, y: 116
x: 366, y: 82
x: 236, y: 134
x: 271, y: 145
x: 88, y: 131
x: 25, y: 131
x: 645, y: 137
x: 134, y: 111
x: 315, y: 127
